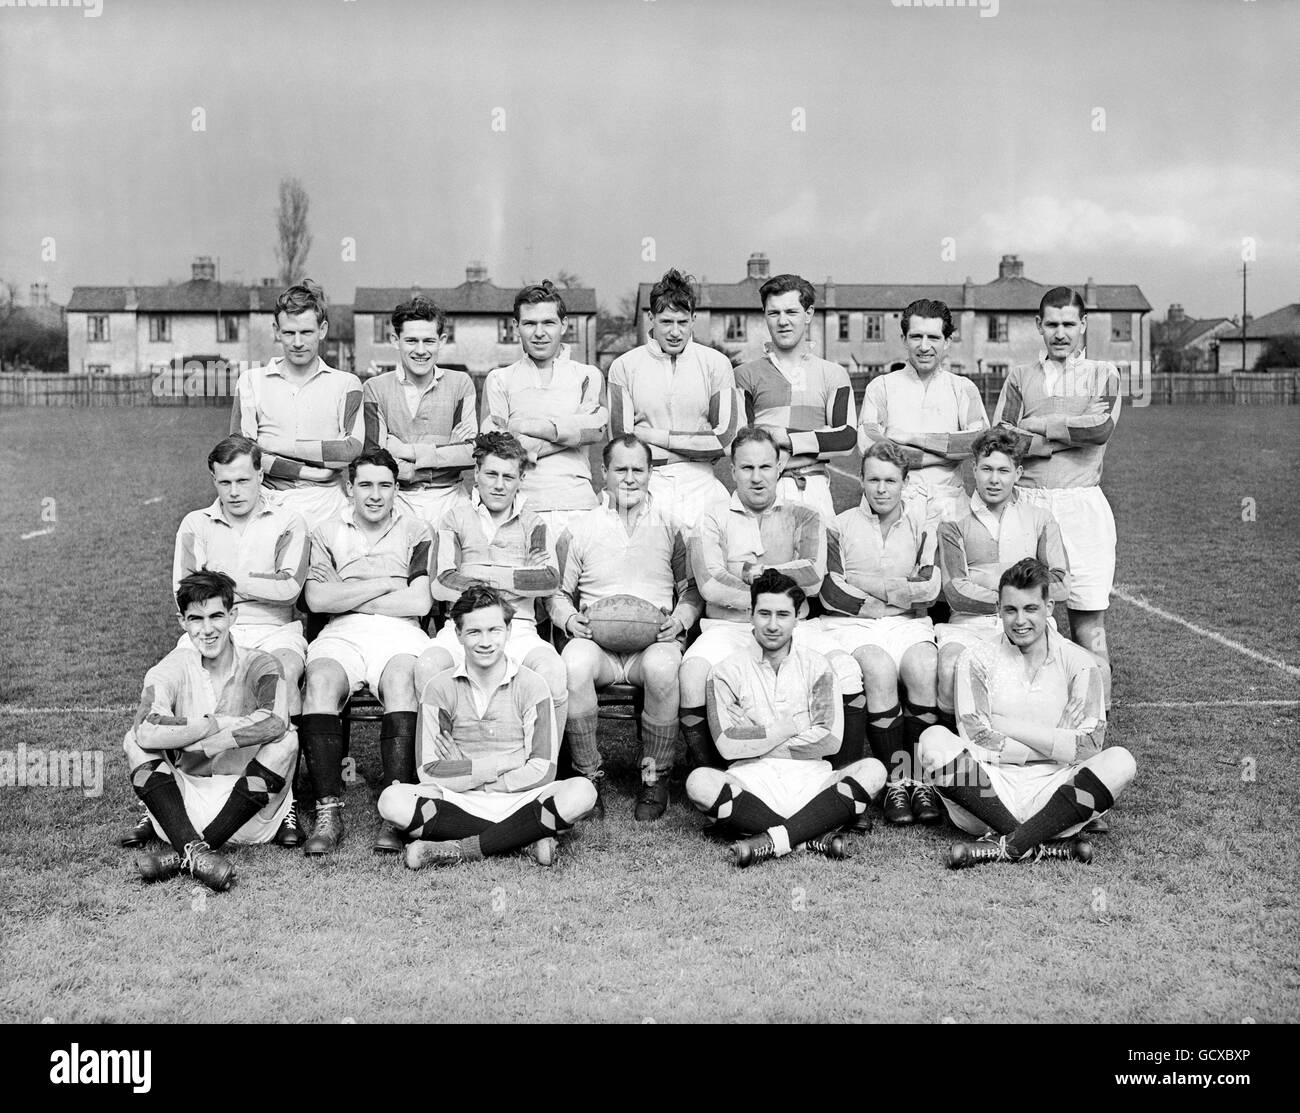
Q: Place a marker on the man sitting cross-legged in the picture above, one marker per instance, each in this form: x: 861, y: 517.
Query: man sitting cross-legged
x: 487, y: 759
x: 211, y: 750
x: 370, y: 571
x: 629, y: 545
x: 1027, y: 765
x: 775, y: 711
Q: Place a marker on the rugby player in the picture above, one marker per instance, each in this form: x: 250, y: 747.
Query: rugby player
x: 487, y: 753
x: 1067, y: 405
x: 553, y: 405
x: 425, y: 415
x: 304, y: 414
x: 211, y: 750
x: 680, y: 398
x: 775, y: 711
x: 628, y: 545
x: 370, y: 573
x: 1027, y: 763
x: 931, y: 413
x: 806, y: 400
x: 881, y: 577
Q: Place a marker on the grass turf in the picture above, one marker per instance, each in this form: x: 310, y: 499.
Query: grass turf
x: 1187, y: 913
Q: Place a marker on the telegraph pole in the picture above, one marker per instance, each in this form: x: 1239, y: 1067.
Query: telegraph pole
x: 1243, y: 317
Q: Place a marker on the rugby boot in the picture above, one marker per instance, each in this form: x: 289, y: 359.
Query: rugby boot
x: 757, y: 848
x: 328, y: 831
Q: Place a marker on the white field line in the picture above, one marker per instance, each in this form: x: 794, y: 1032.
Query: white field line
x: 35, y: 533
x: 150, y: 502
x: 17, y: 709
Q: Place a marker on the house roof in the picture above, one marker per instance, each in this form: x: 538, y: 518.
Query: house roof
x: 1184, y: 332
x: 1281, y: 322
x: 195, y: 296
x: 468, y: 297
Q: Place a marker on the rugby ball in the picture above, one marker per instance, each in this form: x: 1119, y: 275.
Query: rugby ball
x: 624, y: 623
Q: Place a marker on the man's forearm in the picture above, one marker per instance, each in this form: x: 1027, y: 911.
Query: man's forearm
x: 339, y: 598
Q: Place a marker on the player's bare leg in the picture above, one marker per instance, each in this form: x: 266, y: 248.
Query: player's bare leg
x: 918, y: 672
x: 946, y: 682
x: 588, y: 668
x: 321, y: 735
x: 656, y: 672
x: 700, y: 750
x: 547, y: 664
x: 293, y: 666
x: 885, y: 732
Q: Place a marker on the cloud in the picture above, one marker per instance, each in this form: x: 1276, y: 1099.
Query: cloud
x: 1042, y: 223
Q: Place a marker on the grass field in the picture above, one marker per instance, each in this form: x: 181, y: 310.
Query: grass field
x: 1188, y: 912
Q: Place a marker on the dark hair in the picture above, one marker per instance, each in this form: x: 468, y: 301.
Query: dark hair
x: 1061, y: 297
x: 475, y: 598
x: 300, y: 298
x: 231, y: 448
x: 747, y: 433
x: 998, y: 439
x: 887, y: 451
x: 1025, y: 575
x: 504, y: 446
x: 199, y: 587
x: 380, y: 457
x: 773, y: 582
x: 927, y: 308
x: 674, y: 291
x: 627, y: 440
x: 537, y: 294
x: 419, y: 308
x: 785, y: 284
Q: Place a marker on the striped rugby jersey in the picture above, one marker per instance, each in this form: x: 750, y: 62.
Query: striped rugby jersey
x: 598, y: 558
x: 692, y: 397
x: 572, y: 402
x: 448, y: 400
x: 322, y: 416
x: 871, y: 573
x: 947, y: 408
x: 789, y: 537
x: 978, y: 547
x: 401, y: 550
x: 506, y: 736
x: 267, y: 561
x: 814, y: 405
x: 1075, y: 438
x: 516, y: 557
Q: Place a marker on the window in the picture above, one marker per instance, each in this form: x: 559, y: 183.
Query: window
x: 875, y: 369
x: 998, y: 369
x: 875, y: 327
x: 1121, y: 327
x: 844, y: 326
x: 377, y: 368
x: 957, y: 368
x: 571, y: 330
x: 735, y: 326
x: 160, y: 329
x: 507, y: 330
x: 97, y: 327
x: 381, y: 330
x: 228, y: 330
x: 449, y: 331
x: 998, y: 329
x: 956, y: 332
x: 99, y: 369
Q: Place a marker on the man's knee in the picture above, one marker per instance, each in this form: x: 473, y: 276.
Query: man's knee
x: 581, y: 663
x: 279, y: 756
x: 847, y: 672
x: 397, y: 803
x: 292, y: 664
x: 574, y: 798
x: 918, y: 668
x: 661, y: 666
x: 429, y: 664
x: 703, y: 787
x: 868, y: 772
x: 547, y: 664
x: 135, y: 754
x: 1114, y: 767
x: 326, y: 684
x: 694, y: 676
x: 937, y: 747
x: 879, y: 674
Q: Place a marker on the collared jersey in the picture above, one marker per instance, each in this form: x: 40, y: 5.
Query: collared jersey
x: 691, y: 396
x: 900, y: 561
x: 1076, y: 437
x: 267, y: 561
x: 422, y: 419
x: 978, y: 547
x: 401, y: 550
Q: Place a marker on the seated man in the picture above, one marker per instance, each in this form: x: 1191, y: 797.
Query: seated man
x: 998, y: 529
x: 775, y: 712
x: 880, y: 579
x: 495, y: 539
x: 1026, y: 765
x: 370, y: 572
x: 729, y: 549
x: 211, y: 749
x: 487, y: 753
x: 629, y: 545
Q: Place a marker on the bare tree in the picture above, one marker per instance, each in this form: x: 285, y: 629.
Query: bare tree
x: 291, y: 227
x: 567, y: 280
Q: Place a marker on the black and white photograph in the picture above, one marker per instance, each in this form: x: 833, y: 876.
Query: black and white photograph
x: 651, y: 512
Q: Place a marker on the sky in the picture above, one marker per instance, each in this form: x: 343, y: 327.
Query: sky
x: 1131, y: 141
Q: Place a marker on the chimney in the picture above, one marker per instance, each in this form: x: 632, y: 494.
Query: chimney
x: 34, y: 295
x: 1090, y: 293
x: 203, y: 269
x: 758, y: 267
x: 968, y: 294
x: 1011, y: 267
x: 829, y: 300
x: 1176, y: 314
x: 476, y: 272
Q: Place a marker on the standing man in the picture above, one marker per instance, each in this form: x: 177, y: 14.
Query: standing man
x: 998, y: 529
x: 211, y: 751
x: 679, y: 398
x: 1027, y: 763
x: 1068, y: 406
x: 628, y: 545
x: 807, y: 401
x: 304, y: 415
x: 775, y: 711
x: 923, y: 407
x: 487, y: 753
x: 553, y: 405
x: 370, y: 573
x: 426, y: 416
